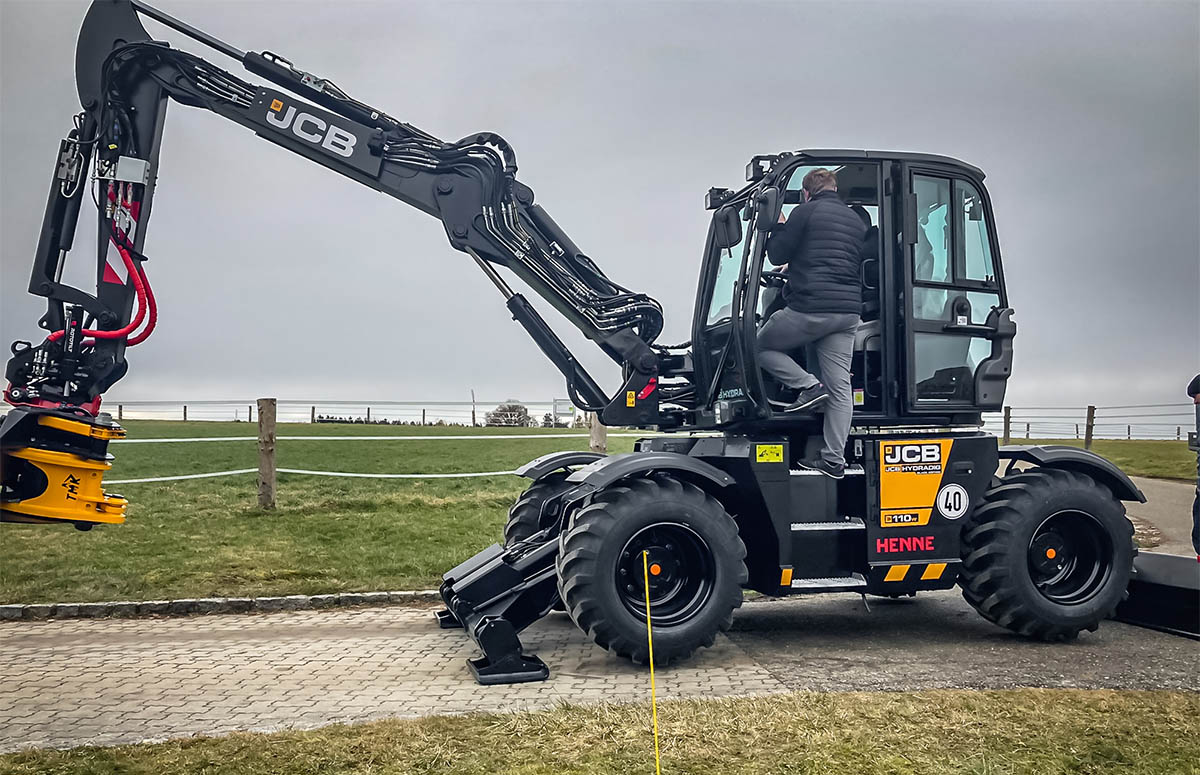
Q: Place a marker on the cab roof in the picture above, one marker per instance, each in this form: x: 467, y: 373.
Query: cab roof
x: 925, y: 158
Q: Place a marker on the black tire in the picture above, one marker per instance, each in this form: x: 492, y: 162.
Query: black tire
x: 523, y: 517
x: 697, y: 546
x: 1048, y: 553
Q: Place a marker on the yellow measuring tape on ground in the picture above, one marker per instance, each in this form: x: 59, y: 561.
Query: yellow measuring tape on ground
x: 650, y: 643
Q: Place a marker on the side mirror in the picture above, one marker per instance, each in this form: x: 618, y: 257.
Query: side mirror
x: 728, y: 227
x: 766, y: 206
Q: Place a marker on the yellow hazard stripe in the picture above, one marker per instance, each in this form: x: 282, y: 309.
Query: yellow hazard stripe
x: 897, y: 573
x: 933, y: 570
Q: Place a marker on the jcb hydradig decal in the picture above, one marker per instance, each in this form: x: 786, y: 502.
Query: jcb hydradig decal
x: 910, y: 475
x: 911, y: 490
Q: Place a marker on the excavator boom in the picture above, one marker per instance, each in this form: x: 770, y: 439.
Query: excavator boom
x: 126, y: 80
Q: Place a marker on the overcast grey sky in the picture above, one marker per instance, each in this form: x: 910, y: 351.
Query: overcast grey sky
x: 275, y: 276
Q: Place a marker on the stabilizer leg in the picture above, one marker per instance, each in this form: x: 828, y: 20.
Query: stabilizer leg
x: 502, y: 661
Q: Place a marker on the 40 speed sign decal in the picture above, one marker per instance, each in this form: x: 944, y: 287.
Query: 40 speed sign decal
x: 953, y: 501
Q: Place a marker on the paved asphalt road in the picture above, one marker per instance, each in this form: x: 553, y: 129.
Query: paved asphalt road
x: 1168, y: 507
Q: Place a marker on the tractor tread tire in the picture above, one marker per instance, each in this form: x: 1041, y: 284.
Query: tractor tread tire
x: 523, y: 517
x: 994, y: 576
x: 583, y: 581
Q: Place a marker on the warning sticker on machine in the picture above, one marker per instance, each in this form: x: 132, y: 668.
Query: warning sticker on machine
x: 768, y: 453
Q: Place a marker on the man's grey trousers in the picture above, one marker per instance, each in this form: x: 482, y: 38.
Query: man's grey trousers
x: 831, y: 337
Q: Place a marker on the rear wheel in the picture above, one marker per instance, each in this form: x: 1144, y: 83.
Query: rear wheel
x: 1047, y: 554
x: 694, y: 557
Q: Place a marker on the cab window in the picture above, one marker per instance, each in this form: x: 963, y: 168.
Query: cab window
x: 728, y: 271
x: 974, y: 252
x: 953, y: 249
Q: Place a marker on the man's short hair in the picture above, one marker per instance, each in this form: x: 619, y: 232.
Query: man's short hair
x: 819, y: 180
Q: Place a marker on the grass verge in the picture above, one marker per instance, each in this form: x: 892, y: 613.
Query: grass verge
x: 1156, y: 459
x: 1022, y: 731
x: 202, y: 538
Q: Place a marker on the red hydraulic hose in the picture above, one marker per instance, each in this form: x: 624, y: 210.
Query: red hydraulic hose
x: 139, y: 288
x: 144, y: 334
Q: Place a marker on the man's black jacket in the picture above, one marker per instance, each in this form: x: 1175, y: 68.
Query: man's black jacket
x: 821, y: 243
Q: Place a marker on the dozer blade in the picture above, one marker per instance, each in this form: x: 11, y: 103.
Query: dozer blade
x: 52, y: 466
x: 1164, y: 594
x: 495, y: 595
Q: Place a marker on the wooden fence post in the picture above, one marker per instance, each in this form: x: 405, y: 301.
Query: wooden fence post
x: 1026, y: 430
x: 120, y: 411
x: 1007, y: 424
x: 598, y: 438
x: 312, y: 414
x: 1090, y: 428
x: 266, y: 453
x: 249, y: 413
x: 1177, y: 428
x: 368, y: 414
x: 185, y: 412
x: 1128, y: 431
x: 422, y: 416
x: 1076, y: 431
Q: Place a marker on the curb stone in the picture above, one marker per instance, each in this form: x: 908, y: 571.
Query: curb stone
x: 132, y: 609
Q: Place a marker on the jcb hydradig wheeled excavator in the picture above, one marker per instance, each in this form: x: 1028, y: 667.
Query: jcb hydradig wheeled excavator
x: 717, y: 502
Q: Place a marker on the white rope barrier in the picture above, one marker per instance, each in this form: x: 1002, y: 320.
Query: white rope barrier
x: 184, y: 476
x: 474, y: 437
x: 396, y: 476
x: 342, y: 474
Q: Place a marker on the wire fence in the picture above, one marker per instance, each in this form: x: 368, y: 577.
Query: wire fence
x: 1129, y: 421
x: 557, y: 412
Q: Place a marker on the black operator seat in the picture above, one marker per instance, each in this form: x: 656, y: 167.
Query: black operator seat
x: 867, y: 336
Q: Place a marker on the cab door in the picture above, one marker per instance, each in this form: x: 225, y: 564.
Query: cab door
x: 958, y: 325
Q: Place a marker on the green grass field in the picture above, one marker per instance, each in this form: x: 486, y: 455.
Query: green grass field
x: 1040, y: 732
x: 207, y: 537
x: 1157, y: 459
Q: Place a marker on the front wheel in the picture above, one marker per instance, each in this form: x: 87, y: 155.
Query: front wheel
x: 694, y: 558
x: 1047, y: 554
x: 525, y: 517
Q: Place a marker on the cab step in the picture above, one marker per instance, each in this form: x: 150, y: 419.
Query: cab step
x: 855, y: 581
x: 849, y: 471
x: 849, y: 523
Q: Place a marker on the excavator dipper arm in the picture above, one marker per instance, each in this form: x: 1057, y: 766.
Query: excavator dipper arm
x: 126, y: 80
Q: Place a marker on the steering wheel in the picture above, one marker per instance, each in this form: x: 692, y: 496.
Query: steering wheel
x: 773, y: 279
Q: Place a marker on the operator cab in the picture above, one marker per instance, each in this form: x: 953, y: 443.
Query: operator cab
x: 935, y: 343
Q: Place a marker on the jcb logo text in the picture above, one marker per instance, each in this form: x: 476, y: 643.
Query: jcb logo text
x: 314, y: 130
x: 912, y: 453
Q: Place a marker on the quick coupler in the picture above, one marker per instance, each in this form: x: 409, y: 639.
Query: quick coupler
x: 52, y: 466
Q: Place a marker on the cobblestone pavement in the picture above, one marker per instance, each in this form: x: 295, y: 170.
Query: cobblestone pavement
x: 107, y: 681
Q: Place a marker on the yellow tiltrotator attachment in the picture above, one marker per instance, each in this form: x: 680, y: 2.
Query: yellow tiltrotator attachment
x: 53, y: 466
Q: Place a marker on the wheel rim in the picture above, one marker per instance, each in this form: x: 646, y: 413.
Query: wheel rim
x: 1070, y: 557
x: 681, y: 569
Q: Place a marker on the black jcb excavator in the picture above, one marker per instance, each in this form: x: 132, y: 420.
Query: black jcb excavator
x: 717, y: 502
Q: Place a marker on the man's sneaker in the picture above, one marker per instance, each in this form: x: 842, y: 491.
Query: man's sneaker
x: 808, y: 398
x: 819, y: 464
